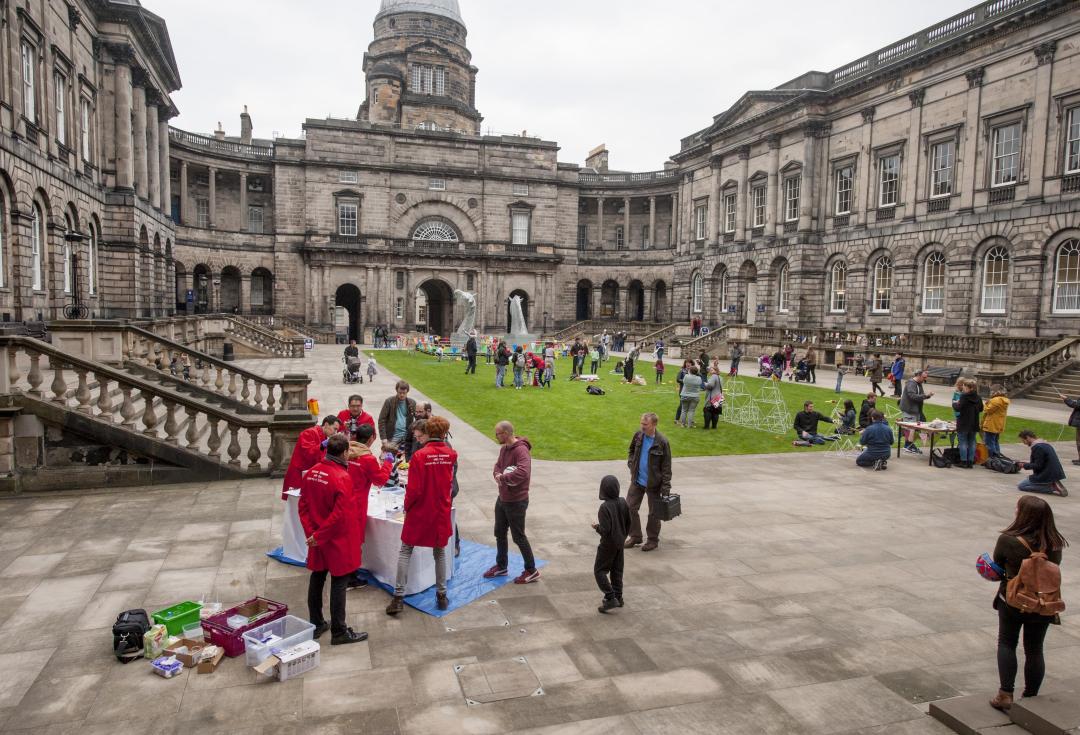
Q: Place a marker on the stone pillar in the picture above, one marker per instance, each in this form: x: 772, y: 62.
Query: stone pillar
x: 153, y: 156
x: 865, y: 180
x: 742, y: 204
x: 675, y: 232
x: 652, y: 224
x: 773, y: 197
x: 185, y: 204
x: 647, y: 305
x: 125, y: 160
x: 596, y: 301
x: 243, y: 204
x: 715, y: 205
x: 164, y: 166
x: 245, y: 292
x: 626, y: 223
x: 1044, y: 56
x: 212, y: 204
x: 138, y: 131
x: 909, y: 192
x: 600, y: 222
x: 971, y: 138
x: 808, y: 185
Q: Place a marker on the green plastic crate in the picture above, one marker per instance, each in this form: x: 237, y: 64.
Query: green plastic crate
x: 179, y: 616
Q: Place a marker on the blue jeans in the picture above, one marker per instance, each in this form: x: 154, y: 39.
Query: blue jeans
x: 517, y: 377
x: 869, y: 456
x: 839, y: 379
x: 1035, y: 487
x: 500, y: 374
x: 993, y: 442
x: 966, y: 440
x: 813, y: 438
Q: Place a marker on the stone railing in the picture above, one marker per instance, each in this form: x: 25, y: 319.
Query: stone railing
x: 274, y: 322
x: 265, y: 339
x: 703, y: 343
x: 645, y: 177
x: 147, y: 410
x: 1038, y: 368
x: 220, y: 146
x: 594, y: 327
x: 662, y: 333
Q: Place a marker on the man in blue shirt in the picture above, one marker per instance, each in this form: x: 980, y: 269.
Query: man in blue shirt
x: 649, y: 461
x: 877, y: 438
x: 396, y: 414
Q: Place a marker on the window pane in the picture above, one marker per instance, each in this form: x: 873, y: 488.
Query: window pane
x: 520, y: 235
x: 1067, y: 277
x: 934, y: 283
x: 91, y: 262
x: 941, y: 168
x: 29, y: 96
x: 1006, y: 154
x: 791, y: 198
x: 255, y: 220
x: 995, y: 280
x: 85, y: 114
x: 890, y: 181
x: 838, y: 288
x: 582, y: 235
x: 61, y: 109
x: 697, y: 284
x: 844, y: 182
x: 35, y: 248
x: 700, y: 220
x: 202, y: 212
x: 883, y: 272
x: 781, y: 289
x: 759, y: 206
x: 347, y: 219
x: 731, y: 202
x: 1072, y: 143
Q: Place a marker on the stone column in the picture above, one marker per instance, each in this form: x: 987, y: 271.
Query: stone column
x: 600, y: 222
x: 715, y: 205
x: 971, y: 138
x: 742, y: 204
x: 243, y: 203
x: 153, y: 156
x: 138, y: 131
x: 675, y: 222
x: 808, y: 185
x: 1044, y: 56
x: 652, y: 223
x: 626, y: 223
x: 596, y: 301
x: 865, y: 180
x: 245, y: 292
x: 125, y: 160
x: 185, y: 205
x: 773, y: 196
x: 910, y: 160
x: 647, y: 305
x: 212, y: 203
x: 164, y: 166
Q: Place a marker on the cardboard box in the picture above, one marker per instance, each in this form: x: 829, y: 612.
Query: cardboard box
x: 209, y: 665
x: 187, y: 651
x: 292, y: 662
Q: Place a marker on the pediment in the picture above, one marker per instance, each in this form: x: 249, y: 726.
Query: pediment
x: 428, y: 47
x: 752, y: 105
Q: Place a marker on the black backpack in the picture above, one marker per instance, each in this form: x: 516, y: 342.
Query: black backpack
x: 940, y: 460
x: 128, y: 632
x: 594, y: 390
x: 1001, y: 463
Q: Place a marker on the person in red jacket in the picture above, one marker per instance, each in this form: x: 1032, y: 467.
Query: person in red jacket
x: 308, y: 451
x: 354, y: 416
x: 328, y: 513
x: 427, y: 508
x: 365, y: 470
x: 512, y: 473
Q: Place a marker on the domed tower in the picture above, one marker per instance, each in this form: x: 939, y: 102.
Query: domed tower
x: 418, y: 70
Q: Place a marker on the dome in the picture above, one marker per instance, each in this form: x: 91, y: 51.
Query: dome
x: 445, y: 8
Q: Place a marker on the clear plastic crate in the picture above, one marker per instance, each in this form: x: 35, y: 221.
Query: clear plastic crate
x: 289, y: 631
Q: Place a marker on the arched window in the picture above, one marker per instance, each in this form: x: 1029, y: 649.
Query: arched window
x: 36, y: 239
x: 3, y: 240
x: 838, y: 287
x: 782, y: 289
x: 436, y: 230
x: 66, y: 254
x: 721, y: 296
x: 995, y: 280
x: 696, y: 293
x: 91, y: 259
x: 1067, y: 277
x: 933, y: 298
x: 883, y: 277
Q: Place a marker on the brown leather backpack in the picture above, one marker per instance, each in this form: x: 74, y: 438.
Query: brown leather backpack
x: 1037, y: 587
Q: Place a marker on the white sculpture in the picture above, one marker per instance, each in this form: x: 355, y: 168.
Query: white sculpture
x: 517, y: 318
x: 468, y: 323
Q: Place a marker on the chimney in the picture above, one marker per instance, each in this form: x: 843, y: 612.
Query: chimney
x: 245, y: 127
x: 220, y: 132
x: 598, y: 159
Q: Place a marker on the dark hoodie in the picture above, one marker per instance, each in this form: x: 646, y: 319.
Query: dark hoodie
x: 514, y: 486
x: 614, y: 515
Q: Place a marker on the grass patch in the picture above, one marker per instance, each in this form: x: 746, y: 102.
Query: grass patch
x: 565, y: 423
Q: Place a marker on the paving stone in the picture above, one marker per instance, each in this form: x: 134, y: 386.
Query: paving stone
x: 917, y: 685
x: 740, y: 715
x: 1055, y: 713
x: 598, y: 659
x: 359, y: 691
x: 968, y: 715
x: 844, y: 705
x: 493, y: 681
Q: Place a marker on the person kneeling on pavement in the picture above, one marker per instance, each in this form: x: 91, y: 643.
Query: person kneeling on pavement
x: 806, y: 422
x: 1047, y: 473
x: 877, y: 440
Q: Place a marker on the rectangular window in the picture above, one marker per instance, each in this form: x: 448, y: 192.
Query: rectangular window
x: 620, y: 241
x: 731, y: 201
x: 845, y: 182
x: 521, y: 190
x: 399, y: 309
x: 202, y: 212
x: 669, y: 229
x: 942, y: 156
x: 470, y: 281
x: 519, y: 228
x: 582, y: 236
x: 85, y: 119
x: 61, y: 108
x: 889, y: 181
x: 29, y: 61
x: 791, y: 198
x: 349, y: 177
x: 440, y: 81
x: 758, y: 196
x: 347, y: 218
x: 645, y: 237
x: 1072, y: 141
x: 435, y: 184
x: 1006, y: 155
x: 399, y: 280
x: 417, y: 77
x: 701, y: 218
x: 255, y: 220
x: 257, y: 296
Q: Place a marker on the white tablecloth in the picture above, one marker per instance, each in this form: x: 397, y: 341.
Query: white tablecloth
x: 382, y: 542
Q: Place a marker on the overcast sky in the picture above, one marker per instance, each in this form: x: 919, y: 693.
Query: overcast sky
x: 635, y: 74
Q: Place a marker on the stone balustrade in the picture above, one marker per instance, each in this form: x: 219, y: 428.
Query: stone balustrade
x: 320, y: 334
x: 1036, y: 369
x: 263, y: 338
x: 663, y: 333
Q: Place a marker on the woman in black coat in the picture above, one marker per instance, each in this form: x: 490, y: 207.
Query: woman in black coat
x: 967, y: 407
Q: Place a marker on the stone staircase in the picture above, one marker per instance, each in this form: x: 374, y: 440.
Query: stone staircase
x: 1067, y: 381
x: 1042, y: 375
x: 1053, y: 712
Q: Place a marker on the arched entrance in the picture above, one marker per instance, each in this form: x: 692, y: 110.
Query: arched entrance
x: 262, y: 291
x: 609, y: 299
x: 230, y: 290
x: 440, y: 307
x: 524, y: 309
x: 347, y: 296
x: 635, y: 301
x: 201, y: 286
x: 660, y: 307
x: 584, y: 300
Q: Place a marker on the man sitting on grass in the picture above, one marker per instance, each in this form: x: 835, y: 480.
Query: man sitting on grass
x: 806, y: 422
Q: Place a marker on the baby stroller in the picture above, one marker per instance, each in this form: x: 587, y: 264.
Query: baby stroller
x: 801, y: 373
x: 765, y: 369
x: 351, y: 373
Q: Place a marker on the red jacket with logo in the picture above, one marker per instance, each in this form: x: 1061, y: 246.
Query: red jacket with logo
x: 427, y: 496
x: 328, y: 512
x: 349, y: 424
x: 365, y: 471
x: 306, y: 454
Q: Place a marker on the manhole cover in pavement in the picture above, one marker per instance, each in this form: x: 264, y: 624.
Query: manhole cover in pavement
x: 494, y: 681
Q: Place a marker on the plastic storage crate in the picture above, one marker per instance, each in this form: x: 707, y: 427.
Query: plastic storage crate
x: 179, y: 616
x: 258, y: 610
x: 290, y: 631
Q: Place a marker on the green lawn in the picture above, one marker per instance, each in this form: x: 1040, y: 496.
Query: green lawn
x: 565, y: 423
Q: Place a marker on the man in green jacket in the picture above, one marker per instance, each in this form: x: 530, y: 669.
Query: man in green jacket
x: 649, y: 460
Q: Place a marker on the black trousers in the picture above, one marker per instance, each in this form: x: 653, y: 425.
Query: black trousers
x: 511, y: 517
x: 471, y: 367
x: 876, y: 387
x: 712, y: 416
x: 813, y: 373
x: 898, y: 387
x: 338, y: 587
x: 1010, y: 622
x: 608, y: 569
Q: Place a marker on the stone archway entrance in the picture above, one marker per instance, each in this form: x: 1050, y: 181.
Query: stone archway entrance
x: 635, y: 297
x: 440, y: 307
x: 584, y: 300
x: 347, y: 296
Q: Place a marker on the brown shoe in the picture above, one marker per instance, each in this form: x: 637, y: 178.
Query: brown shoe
x: 631, y: 543
x: 396, y: 605
x: 651, y: 546
x: 1003, y: 701
x: 442, y: 601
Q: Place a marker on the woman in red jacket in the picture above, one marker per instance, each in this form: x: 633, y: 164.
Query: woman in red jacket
x: 308, y: 451
x: 427, y: 508
x: 328, y: 512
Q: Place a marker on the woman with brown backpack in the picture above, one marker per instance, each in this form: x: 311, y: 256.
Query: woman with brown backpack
x: 1029, y: 551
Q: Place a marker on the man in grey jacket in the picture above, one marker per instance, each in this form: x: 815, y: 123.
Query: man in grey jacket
x: 911, y: 406
x: 649, y: 460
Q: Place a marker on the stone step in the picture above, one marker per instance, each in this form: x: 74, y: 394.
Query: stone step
x: 972, y: 715
x: 1057, y: 713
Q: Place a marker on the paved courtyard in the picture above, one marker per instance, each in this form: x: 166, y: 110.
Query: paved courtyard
x: 798, y: 594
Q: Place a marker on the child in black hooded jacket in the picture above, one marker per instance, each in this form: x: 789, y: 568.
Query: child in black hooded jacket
x: 613, y: 526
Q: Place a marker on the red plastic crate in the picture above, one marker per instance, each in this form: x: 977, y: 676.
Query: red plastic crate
x: 231, y: 639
